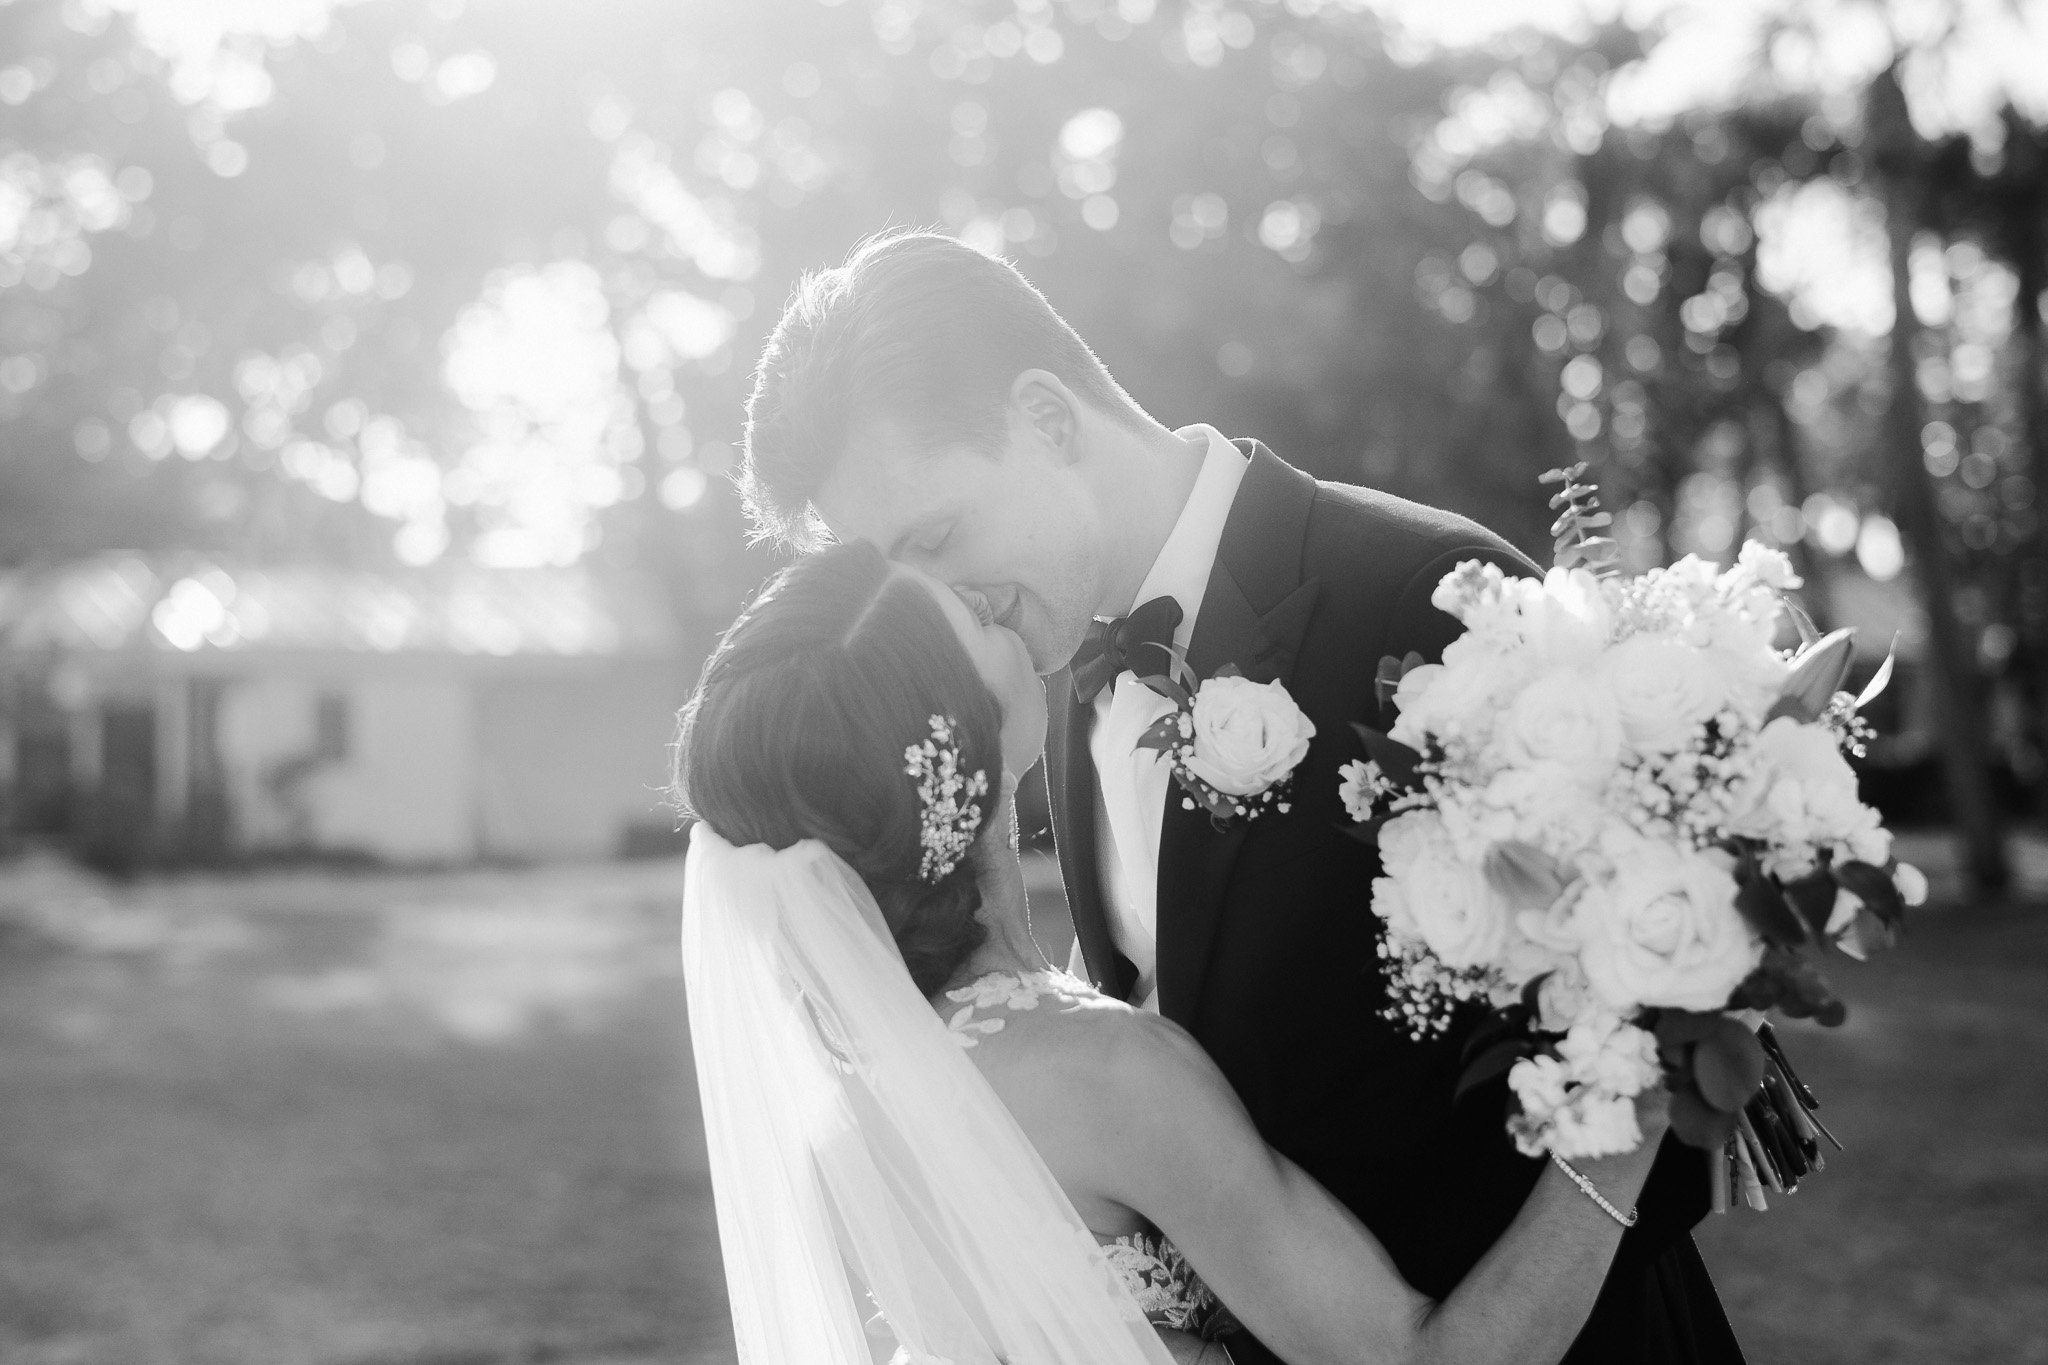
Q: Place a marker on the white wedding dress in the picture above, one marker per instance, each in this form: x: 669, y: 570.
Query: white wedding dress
x: 874, y: 1196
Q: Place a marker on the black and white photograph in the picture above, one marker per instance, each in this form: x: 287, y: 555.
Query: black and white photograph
x: 1023, y: 682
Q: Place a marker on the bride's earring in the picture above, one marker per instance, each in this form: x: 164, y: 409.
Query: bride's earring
x: 1010, y: 804
x: 1016, y: 848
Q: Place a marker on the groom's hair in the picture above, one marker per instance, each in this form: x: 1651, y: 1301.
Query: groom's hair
x: 918, y: 331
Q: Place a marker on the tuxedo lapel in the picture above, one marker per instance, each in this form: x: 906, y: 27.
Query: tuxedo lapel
x: 1255, y: 611
x: 1070, y: 790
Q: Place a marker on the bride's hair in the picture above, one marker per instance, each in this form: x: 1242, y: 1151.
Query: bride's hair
x: 798, y: 727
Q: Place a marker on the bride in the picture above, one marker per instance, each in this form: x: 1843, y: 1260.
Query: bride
x: 926, y: 1141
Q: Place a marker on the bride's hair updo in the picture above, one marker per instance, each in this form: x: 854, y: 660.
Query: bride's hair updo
x: 798, y: 727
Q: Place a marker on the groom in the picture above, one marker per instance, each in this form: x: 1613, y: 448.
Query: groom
x: 925, y: 397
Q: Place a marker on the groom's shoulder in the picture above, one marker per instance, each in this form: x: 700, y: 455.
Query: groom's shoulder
x: 1362, y: 532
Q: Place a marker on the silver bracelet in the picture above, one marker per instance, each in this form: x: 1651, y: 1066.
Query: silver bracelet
x: 1627, y: 1220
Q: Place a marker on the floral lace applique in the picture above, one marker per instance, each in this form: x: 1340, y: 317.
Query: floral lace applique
x: 1166, y: 1287
x: 964, y: 1026
x: 1007, y: 990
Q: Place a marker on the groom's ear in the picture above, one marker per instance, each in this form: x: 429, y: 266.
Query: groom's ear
x: 1050, y: 412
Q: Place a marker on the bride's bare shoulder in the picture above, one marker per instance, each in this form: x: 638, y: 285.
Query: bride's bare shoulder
x: 1087, y: 1044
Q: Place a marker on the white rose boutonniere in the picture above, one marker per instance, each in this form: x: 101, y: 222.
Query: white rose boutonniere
x: 1234, y: 744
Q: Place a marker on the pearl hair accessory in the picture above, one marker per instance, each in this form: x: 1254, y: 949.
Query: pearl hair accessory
x: 951, y: 819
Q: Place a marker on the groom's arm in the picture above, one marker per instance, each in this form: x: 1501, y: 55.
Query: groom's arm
x: 1675, y: 1198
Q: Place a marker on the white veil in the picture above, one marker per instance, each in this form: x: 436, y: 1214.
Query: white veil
x: 855, y: 1147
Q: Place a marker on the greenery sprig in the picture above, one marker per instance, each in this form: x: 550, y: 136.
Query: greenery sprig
x: 1580, y: 525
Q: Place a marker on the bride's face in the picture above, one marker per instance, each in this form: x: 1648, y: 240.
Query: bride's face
x: 1003, y: 661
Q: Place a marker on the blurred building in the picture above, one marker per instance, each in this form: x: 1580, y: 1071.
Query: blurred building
x: 191, y: 710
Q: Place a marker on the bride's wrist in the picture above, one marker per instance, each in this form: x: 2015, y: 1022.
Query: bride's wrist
x: 1614, y: 1196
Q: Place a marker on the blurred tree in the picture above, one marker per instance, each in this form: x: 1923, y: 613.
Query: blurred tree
x: 400, y: 281
x: 1902, y: 159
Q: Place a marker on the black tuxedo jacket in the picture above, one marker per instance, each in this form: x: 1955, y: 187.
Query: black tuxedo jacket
x: 1267, y: 940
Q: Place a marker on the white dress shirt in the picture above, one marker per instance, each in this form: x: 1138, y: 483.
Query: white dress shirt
x: 1131, y: 784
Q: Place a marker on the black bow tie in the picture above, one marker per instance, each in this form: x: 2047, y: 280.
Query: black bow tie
x: 1113, y: 647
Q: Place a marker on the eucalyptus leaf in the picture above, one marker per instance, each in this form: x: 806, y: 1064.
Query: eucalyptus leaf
x: 1396, y: 760
x: 1874, y: 887
x: 1728, y: 1065
x: 1762, y: 904
x: 1495, y: 1061
x: 1814, y: 898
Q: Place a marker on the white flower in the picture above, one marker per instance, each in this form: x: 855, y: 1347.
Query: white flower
x: 1407, y: 837
x: 1803, y: 792
x: 1360, y: 780
x: 1563, y: 998
x: 1567, y: 718
x: 1595, y: 1124
x: 1769, y: 567
x: 1663, y: 690
x: 1539, y: 1083
x: 1452, y: 906
x: 1465, y: 587
x: 1391, y: 905
x: 1664, y: 929
x: 1564, y: 1115
x: 1247, y: 736
x: 1601, y: 1050
x: 1568, y: 619
x: 1457, y: 696
x: 1911, y: 882
x: 1843, y: 914
x: 1550, y: 806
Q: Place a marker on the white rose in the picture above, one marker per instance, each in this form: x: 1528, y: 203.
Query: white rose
x: 1248, y: 735
x: 1664, y: 929
x: 1566, y: 718
x: 1390, y: 903
x: 1449, y: 902
x: 1550, y: 806
x: 1407, y: 837
x: 1663, y: 690
x: 1458, y: 696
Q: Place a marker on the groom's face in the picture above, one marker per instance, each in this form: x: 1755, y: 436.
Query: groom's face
x: 1017, y: 525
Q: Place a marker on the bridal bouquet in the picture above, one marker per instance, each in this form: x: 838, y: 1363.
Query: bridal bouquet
x: 1622, y: 820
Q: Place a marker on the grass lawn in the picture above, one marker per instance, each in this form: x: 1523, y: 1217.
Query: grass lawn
x: 391, y: 1120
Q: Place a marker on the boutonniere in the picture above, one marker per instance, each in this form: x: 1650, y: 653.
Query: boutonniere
x: 1234, y: 744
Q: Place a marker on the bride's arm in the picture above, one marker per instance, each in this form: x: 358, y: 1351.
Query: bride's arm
x: 1298, y: 1268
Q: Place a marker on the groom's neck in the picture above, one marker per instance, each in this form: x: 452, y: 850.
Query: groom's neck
x: 1154, y: 471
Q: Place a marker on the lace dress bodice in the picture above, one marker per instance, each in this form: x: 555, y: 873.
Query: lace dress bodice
x: 1159, y: 1278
